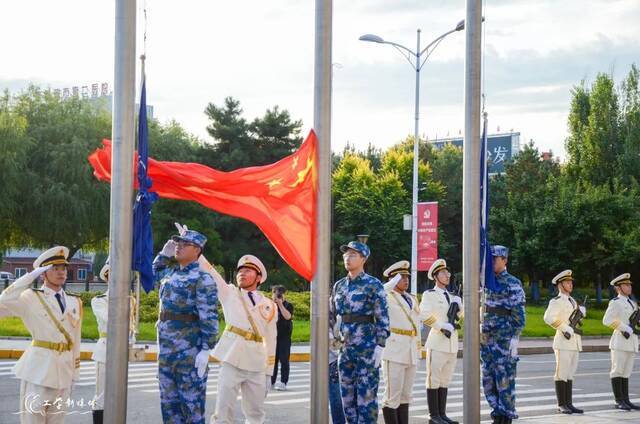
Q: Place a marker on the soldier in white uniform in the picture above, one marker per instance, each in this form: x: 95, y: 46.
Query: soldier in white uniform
x: 247, y: 347
x: 100, y: 308
x: 566, y: 344
x: 442, y: 351
x: 400, y: 355
x: 49, y: 366
x: 624, y: 343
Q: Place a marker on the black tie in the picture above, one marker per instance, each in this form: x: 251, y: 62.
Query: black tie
x: 251, y: 298
x: 573, y: 303
x: 447, y: 296
x: 59, y: 299
x: 630, y: 302
x: 408, y: 300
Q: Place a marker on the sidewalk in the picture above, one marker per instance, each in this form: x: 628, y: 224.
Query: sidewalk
x: 13, y: 347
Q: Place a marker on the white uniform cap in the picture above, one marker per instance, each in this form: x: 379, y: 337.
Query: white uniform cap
x: 563, y: 276
x: 438, y: 265
x: 621, y: 279
x: 55, y: 256
x: 250, y: 261
x: 400, y: 267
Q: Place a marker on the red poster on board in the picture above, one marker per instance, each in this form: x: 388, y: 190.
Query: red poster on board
x: 427, y: 235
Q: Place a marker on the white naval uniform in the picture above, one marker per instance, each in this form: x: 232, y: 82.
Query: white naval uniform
x: 623, y: 350
x: 442, y: 352
x: 100, y: 307
x: 566, y: 351
x: 401, y: 353
x: 245, y: 364
x: 45, y: 374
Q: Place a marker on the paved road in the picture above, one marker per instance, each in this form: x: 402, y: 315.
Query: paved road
x: 536, y: 396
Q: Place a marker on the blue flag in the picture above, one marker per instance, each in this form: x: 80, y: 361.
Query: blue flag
x: 142, y: 234
x: 487, y: 277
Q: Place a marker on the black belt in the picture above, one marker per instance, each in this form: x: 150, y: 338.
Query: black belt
x: 497, y: 310
x: 353, y: 318
x: 169, y: 316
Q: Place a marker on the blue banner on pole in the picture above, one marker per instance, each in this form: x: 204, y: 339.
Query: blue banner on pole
x: 142, y: 232
x: 487, y: 277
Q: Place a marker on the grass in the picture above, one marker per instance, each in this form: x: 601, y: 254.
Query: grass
x: 12, y: 326
x: 535, y: 326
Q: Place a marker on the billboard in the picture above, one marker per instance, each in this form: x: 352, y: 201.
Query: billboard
x: 427, y: 235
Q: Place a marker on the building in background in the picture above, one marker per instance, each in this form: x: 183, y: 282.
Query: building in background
x: 20, y: 261
x: 501, y: 148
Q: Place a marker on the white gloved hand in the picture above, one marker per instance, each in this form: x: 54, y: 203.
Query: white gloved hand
x: 169, y: 249
x: 513, y: 347
x: 181, y: 228
x: 456, y: 299
x: 624, y: 328
x: 202, y: 359
x: 39, y: 271
x: 28, y: 279
x: 377, y: 356
x: 583, y: 310
x: 447, y: 326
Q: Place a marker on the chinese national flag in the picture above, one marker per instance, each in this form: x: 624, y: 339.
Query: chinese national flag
x: 279, y: 198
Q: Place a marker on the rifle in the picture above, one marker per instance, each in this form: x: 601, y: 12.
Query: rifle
x: 575, y: 320
x: 634, y: 322
x: 452, y: 313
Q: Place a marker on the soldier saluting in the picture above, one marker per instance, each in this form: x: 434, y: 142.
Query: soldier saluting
x: 49, y: 366
x: 361, y: 303
x: 442, y: 342
x: 400, y: 355
x: 567, y: 343
x: 624, y: 340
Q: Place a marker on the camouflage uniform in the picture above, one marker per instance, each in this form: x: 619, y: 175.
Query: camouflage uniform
x: 359, y: 378
x: 186, y: 291
x: 498, y: 330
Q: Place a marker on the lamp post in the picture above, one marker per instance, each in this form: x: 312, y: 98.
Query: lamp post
x: 417, y: 60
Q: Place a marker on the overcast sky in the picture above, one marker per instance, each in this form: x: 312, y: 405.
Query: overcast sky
x: 261, y: 53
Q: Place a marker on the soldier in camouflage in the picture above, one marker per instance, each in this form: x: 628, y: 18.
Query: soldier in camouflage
x: 504, y: 319
x: 360, y: 301
x: 187, y: 328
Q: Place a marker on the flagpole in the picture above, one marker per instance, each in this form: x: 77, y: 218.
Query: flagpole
x: 121, y: 214
x: 471, y: 213
x: 320, y: 285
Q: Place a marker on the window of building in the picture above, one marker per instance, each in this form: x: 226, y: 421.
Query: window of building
x: 20, y: 272
x: 82, y: 274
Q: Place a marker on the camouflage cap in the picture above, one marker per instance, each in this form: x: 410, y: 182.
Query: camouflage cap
x: 191, y: 236
x: 361, y: 248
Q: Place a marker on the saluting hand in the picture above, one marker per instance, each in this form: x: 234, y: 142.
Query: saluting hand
x: 169, y: 249
x: 39, y: 271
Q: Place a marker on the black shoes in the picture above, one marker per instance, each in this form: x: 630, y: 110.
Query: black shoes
x: 616, y: 385
x: 561, y: 394
x: 569, y: 398
x: 442, y: 405
x: 434, y: 407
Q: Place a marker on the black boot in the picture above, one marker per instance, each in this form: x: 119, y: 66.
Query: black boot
x: 403, y: 413
x: 616, y: 385
x: 569, y: 398
x: 442, y: 405
x: 561, y: 394
x: 97, y: 416
x: 390, y: 416
x: 625, y: 394
x: 434, y: 411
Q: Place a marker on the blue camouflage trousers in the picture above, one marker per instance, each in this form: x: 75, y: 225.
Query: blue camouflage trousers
x: 499, y: 375
x: 182, y: 392
x: 359, y: 380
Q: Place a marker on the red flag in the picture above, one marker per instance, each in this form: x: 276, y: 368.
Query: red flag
x: 279, y: 198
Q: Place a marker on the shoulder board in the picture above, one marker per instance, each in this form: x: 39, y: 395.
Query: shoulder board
x: 72, y: 294
x: 556, y: 298
x: 37, y: 290
x: 615, y: 298
x: 431, y: 290
x: 101, y: 295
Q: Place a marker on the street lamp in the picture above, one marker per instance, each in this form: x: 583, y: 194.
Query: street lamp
x: 415, y: 59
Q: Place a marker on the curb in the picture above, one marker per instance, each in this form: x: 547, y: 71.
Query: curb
x: 306, y: 357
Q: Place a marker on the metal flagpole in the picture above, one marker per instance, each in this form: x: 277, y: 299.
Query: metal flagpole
x: 120, y: 236
x: 320, y: 284
x: 471, y: 213
x: 416, y: 160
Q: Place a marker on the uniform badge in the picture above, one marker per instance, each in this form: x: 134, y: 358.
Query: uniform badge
x: 267, y: 311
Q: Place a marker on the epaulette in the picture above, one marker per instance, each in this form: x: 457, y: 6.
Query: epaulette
x: 38, y: 290
x: 72, y: 294
x: 101, y: 295
x: 556, y: 298
x: 431, y: 290
x: 615, y: 298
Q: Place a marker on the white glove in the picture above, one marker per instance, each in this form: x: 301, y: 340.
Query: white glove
x: 583, y: 310
x: 181, y: 228
x: 39, y: 271
x: 202, y: 359
x: 513, y: 347
x: 169, y: 249
x: 456, y: 299
x: 624, y: 328
x: 447, y: 326
x: 377, y: 356
x: 267, y: 384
